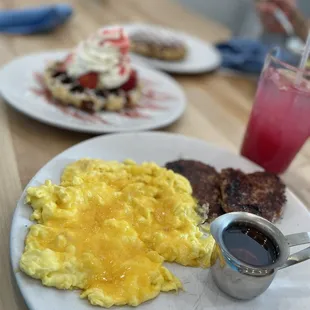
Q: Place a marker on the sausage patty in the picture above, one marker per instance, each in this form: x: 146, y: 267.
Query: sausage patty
x: 261, y: 193
x: 205, y: 182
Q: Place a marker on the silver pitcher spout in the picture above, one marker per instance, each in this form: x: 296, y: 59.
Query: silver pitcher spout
x: 242, y: 280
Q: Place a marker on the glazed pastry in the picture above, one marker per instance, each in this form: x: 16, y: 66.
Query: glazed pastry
x: 160, y: 44
x: 97, y: 75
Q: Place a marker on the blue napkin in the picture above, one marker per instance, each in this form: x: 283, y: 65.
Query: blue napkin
x: 248, y: 56
x: 243, y: 55
x: 32, y: 20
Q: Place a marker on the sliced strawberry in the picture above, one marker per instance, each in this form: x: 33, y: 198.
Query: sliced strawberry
x: 89, y: 80
x: 131, y: 82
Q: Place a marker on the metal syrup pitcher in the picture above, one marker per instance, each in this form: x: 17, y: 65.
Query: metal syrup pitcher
x: 235, y: 276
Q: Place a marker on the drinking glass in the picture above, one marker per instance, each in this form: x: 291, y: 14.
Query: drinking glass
x: 279, y: 123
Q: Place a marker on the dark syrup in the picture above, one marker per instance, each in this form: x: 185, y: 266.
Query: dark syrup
x: 249, y: 245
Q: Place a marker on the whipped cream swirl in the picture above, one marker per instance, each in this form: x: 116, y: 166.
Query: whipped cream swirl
x: 105, y: 52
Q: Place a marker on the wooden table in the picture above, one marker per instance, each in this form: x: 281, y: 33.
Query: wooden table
x: 217, y: 112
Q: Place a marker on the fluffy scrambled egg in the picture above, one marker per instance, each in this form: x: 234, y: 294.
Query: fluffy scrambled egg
x: 107, y: 229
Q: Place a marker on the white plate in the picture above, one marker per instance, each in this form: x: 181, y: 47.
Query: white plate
x: 290, y: 289
x: 163, y: 101
x: 201, y: 56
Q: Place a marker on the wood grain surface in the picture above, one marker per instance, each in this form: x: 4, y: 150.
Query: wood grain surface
x: 218, y: 106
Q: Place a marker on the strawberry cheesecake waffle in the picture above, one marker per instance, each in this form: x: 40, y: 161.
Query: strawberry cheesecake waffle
x: 97, y: 74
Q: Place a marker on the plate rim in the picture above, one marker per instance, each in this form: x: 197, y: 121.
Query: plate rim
x: 79, y: 128
x: 111, y: 136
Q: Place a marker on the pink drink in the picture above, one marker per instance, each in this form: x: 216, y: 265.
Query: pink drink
x: 280, y: 121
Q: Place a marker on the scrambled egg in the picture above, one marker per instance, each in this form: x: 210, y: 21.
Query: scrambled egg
x: 107, y: 229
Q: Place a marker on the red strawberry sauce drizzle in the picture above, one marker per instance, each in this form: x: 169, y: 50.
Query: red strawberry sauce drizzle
x: 122, y: 41
x: 67, y: 61
x: 134, y: 113
x: 122, y: 70
x: 150, y: 94
x: 147, y: 102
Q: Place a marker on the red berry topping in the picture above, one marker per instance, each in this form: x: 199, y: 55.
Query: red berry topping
x: 89, y: 80
x: 131, y: 82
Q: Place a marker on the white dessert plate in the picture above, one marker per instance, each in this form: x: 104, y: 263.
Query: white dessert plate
x: 201, y: 56
x: 162, y: 102
x: 289, y: 290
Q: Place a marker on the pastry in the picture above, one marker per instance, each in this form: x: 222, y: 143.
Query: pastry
x: 160, y: 44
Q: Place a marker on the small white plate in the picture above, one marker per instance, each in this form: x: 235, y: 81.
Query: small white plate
x: 162, y: 103
x: 289, y: 291
x: 201, y: 56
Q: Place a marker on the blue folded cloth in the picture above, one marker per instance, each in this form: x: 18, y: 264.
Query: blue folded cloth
x: 243, y: 55
x: 248, y: 56
x: 33, y: 20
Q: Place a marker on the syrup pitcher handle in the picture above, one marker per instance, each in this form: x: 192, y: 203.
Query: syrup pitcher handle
x: 301, y: 256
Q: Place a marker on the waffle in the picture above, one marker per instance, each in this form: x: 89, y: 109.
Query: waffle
x: 68, y: 91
